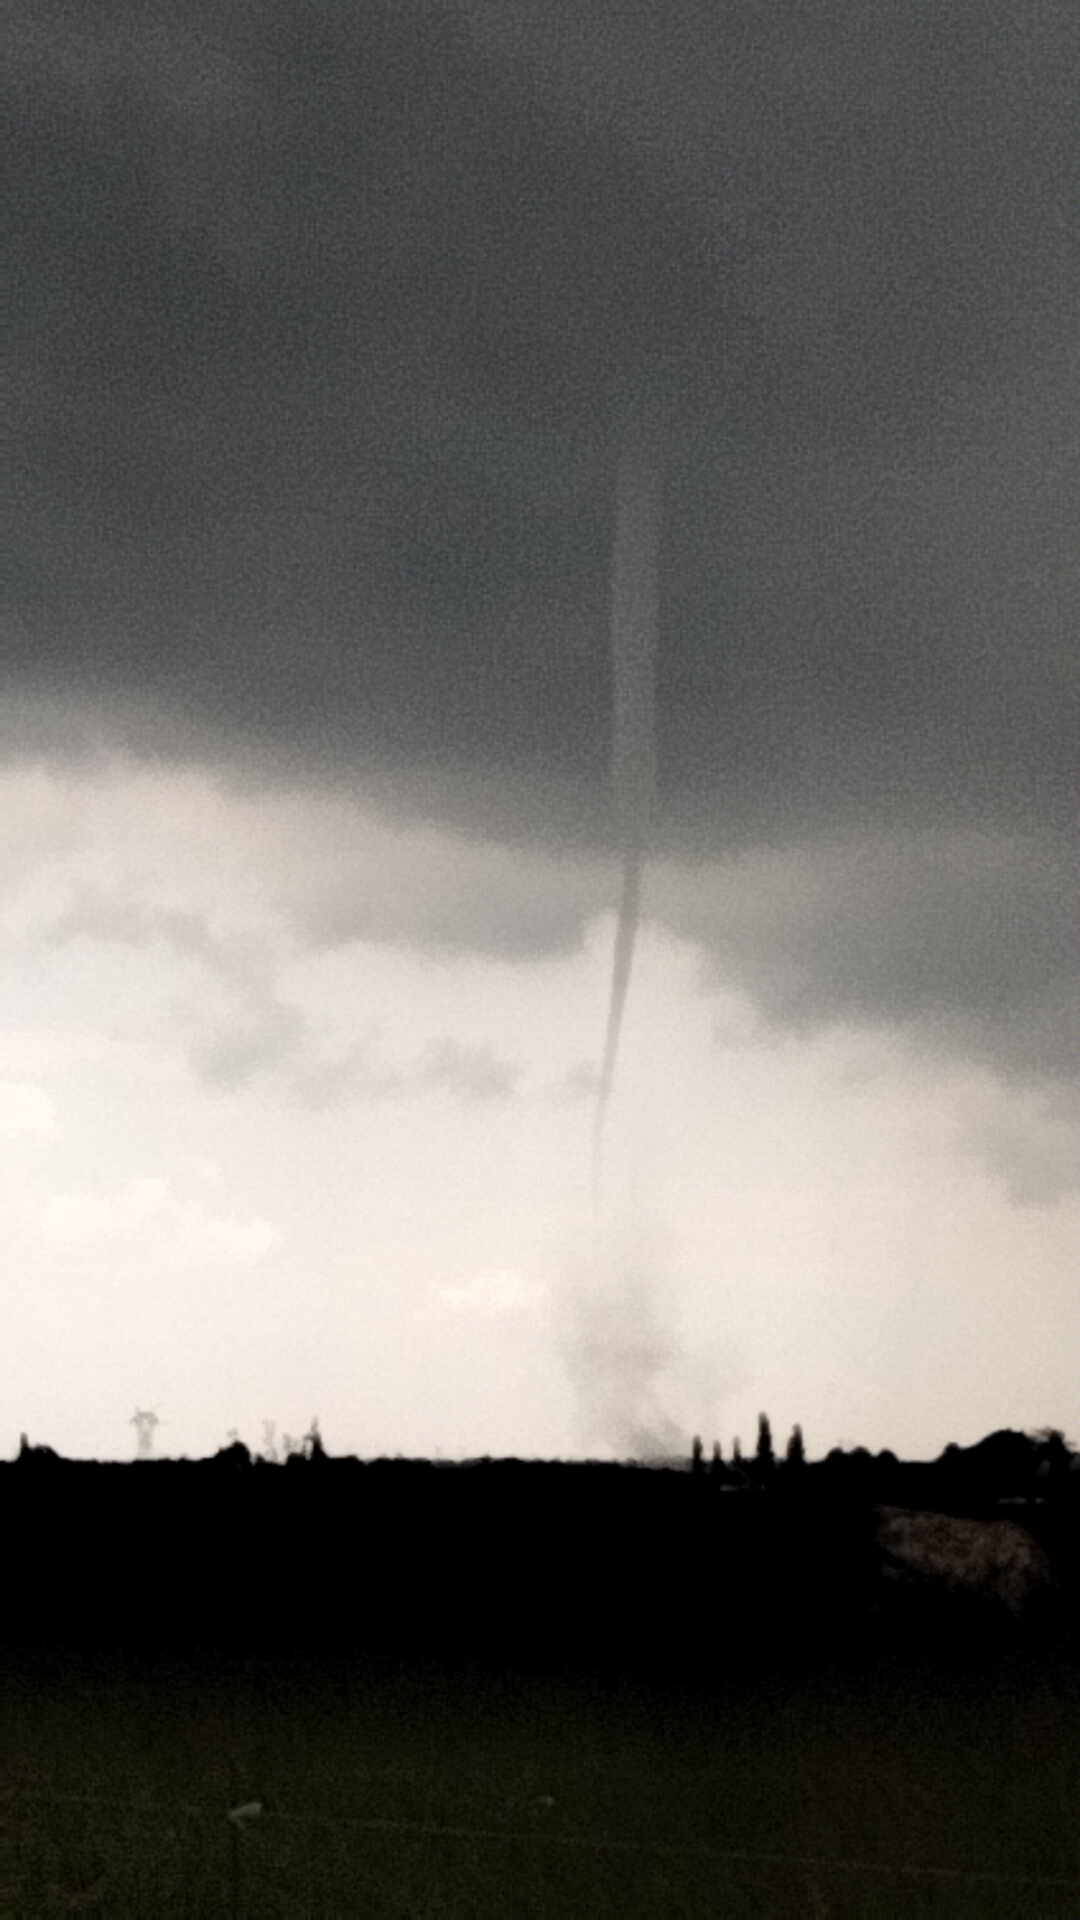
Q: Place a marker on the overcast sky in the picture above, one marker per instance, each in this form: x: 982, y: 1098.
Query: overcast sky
x: 326, y: 319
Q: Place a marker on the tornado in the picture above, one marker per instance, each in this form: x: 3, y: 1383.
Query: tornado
x: 635, y: 605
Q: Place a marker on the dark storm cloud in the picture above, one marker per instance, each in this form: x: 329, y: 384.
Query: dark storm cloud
x: 325, y: 312
x: 325, y: 319
x: 1034, y: 1153
x: 966, y: 941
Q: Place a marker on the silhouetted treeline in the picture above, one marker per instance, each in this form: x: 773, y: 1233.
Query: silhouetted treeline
x: 552, y: 1563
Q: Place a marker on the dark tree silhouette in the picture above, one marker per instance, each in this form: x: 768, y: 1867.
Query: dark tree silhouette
x: 796, y: 1451
x: 765, y: 1458
x: 1055, y: 1461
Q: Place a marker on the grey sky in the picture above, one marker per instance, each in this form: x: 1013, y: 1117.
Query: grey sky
x: 326, y: 320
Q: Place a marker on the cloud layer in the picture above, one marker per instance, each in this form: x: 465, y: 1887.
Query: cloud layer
x: 962, y: 942
x: 324, y: 336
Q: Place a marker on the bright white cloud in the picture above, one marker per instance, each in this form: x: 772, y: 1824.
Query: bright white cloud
x: 182, y: 1231
x: 58, y: 1050
x: 504, y: 1291
x: 71, y: 1219
x: 27, y: 1110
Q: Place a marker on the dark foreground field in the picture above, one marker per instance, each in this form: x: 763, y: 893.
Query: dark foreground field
x: 512, y: 1690
x: 423, y: 1789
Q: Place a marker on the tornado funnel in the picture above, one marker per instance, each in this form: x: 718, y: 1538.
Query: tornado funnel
x: 635, y: 607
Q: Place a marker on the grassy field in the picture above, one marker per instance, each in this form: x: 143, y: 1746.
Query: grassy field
x: 425, y: 1791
